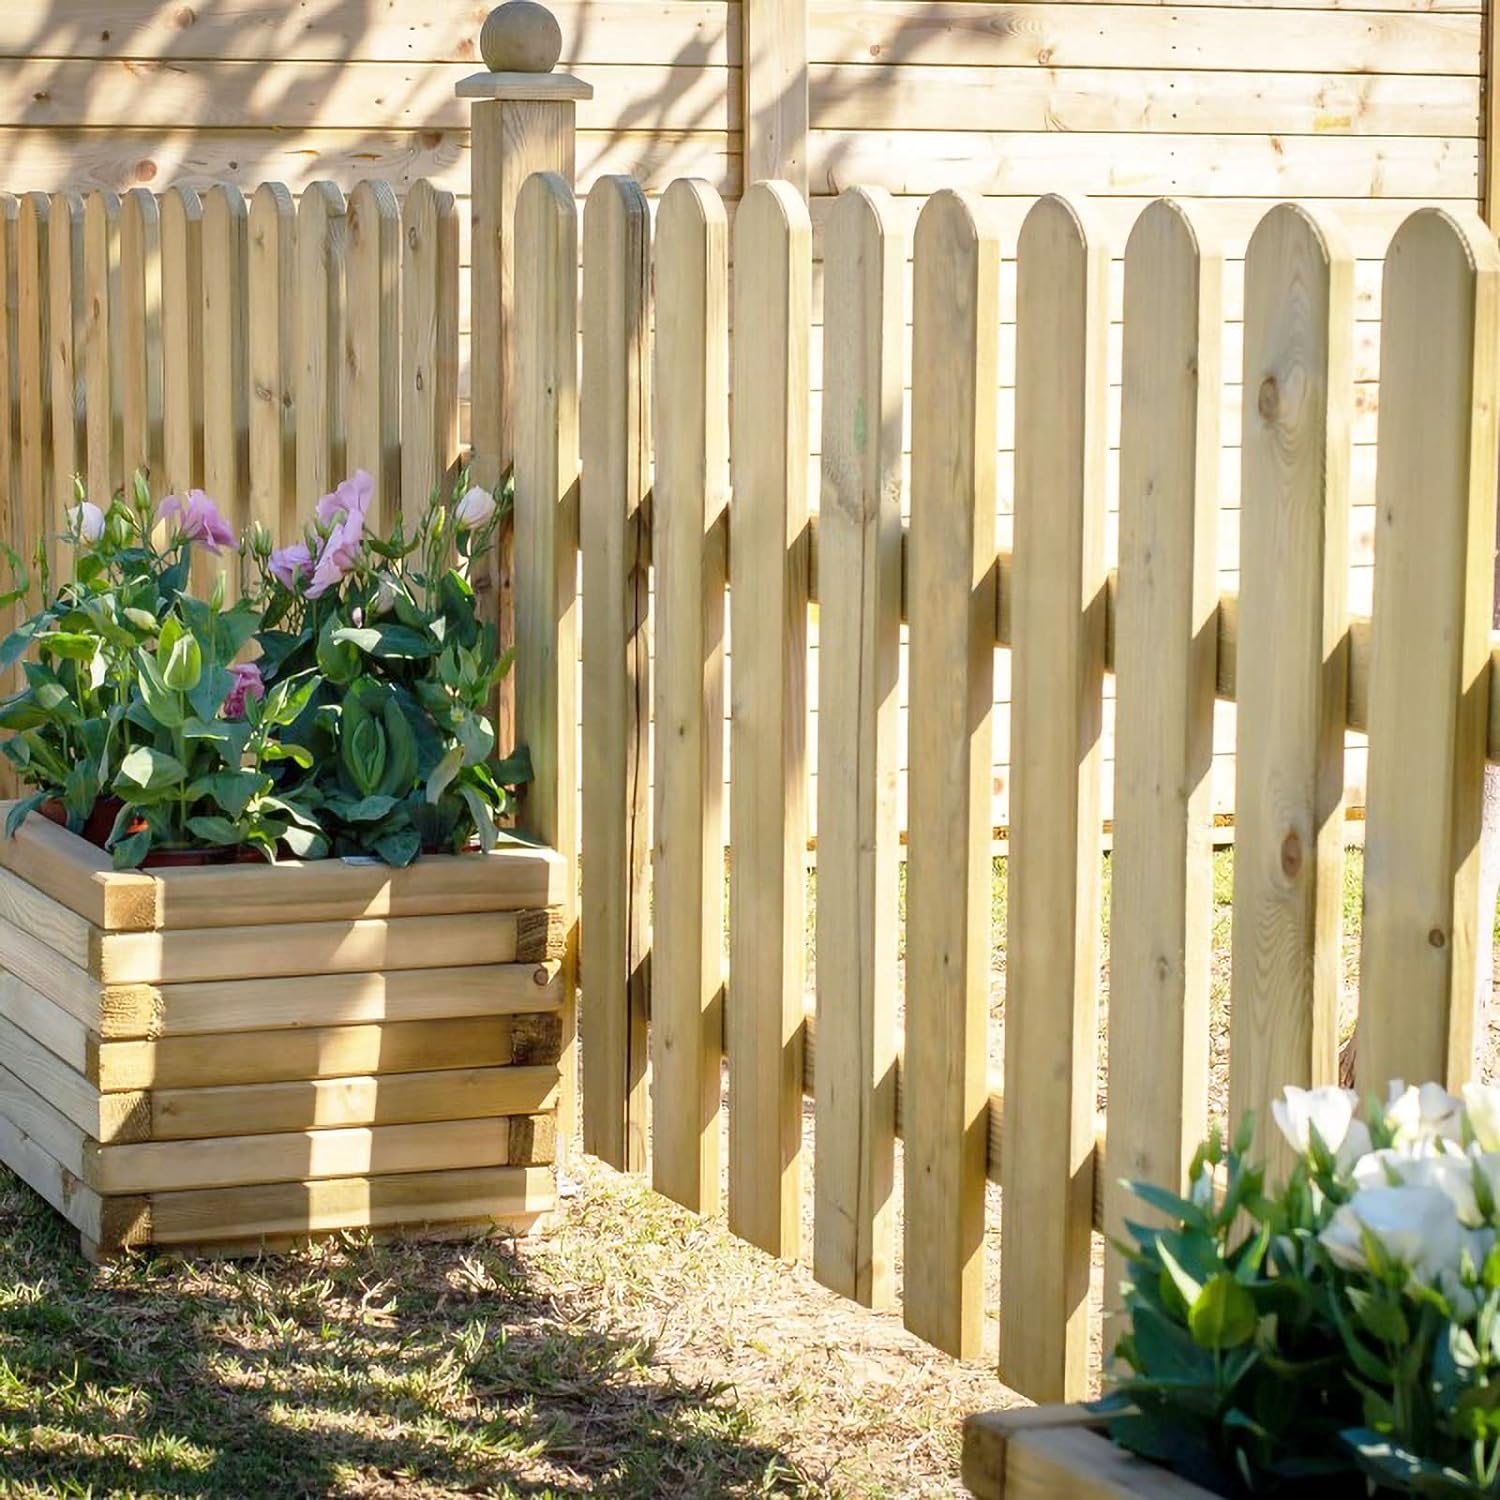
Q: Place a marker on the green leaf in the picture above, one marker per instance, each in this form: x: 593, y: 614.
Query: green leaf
x: 149, y: 770
x: 161, y: 702
x: 70, y: 646
x: 400, y: 848
x: 299, y: 754
x: 129, y: 852
x: 483, y: 816
x: 19, y: 812
x: 1380, y: 1315
x: 305, y: 843
x: 183, y: 665
x: 214, y: 830
x: 1222, y: 1316
x: 442, y: 776
x: 1187, y: 1285
x: 229, y: 790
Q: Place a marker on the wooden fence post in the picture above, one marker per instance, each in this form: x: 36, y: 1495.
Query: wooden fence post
x: 99, y: 295
x: 691, y: 439
x: 1052, y: 980
x: 1435, y: 498
x: 615, y: 422
x: 140, y: 374
x: 65, y: 324
x: 547, y: 553
x: 521, y: 122
x: 372, y: 349
x: 1165, y: 659
x: 859, y: 641
x: 955, y: 334
x: 10, y: 440
x: 182, y: 339
x: 1291, y: 675
x: 429, y: 345
x: 272, y: 278
x: 768, y: 571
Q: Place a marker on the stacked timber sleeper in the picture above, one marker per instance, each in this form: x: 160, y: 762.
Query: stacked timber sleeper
x: 234, y: 1055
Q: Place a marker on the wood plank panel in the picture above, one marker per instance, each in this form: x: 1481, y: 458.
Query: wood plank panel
x: 226, y: 1057
x: 918, y: 97
x: 271, y: 275
x: 774, y: 49
x: 101, y: 1117
x: 328, y: 1103
x: 296, y: 1208
x: 100, y: 320
x: 1104, y: 164
x: 34, y: 372
x: 691, y: 486
x: 768, y: 803
x: 956, y: 289
x: 226, y: 402
x: 693, y: 31
x: 1053, y: 943
x: 372, y: 350
x: 182, y: 338
x: 1165, y: 640
x: 230, y: 1161
x: 615, y: 438
x: 73, y: 872
x: 859, y: 634
x: 1434, y: 549
x: 429, y: 345
x: 140, y: 338
x: 63, y: 1035
x: 11, y: 501
x: 1142, y: 36
x: 1292, y: 670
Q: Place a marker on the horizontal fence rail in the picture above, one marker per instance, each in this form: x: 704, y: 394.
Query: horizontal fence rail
x: 884, y: 1057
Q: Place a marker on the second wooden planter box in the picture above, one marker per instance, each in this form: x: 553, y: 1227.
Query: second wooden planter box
x: 1059, y: 1453
x: 237, y: 1055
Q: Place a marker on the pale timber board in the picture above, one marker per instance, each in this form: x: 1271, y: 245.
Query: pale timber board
x: 167, y: 93
x: 1105, y: 164
x: 325, y: 1103
x: 294, y: 948
x: 513, y: 879
x: 27, y: 1111
x: 62, y: 1189
x: 1142, y: 36
x: 78, y: 992
x: 353, y: 999
x: 410, y: 32
x: 916, y: 97
x: 501, y: 1193
x: 121, y: 157
x: 292, y: 1156
x: 313, y: 1052
x: 60, y: 1033
x: 71, y: 937
x: 102, y: 1118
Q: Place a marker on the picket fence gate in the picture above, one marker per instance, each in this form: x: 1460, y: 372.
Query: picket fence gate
x: 635, y: 461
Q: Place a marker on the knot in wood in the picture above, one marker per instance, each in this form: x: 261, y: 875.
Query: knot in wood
x: 1437, y: 937
x: 1268, y: 400
x: 1291, y: 855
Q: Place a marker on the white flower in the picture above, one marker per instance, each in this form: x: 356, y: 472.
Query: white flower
x: 1423, y: 1113
x: 87, y: 521
x: 1329, y: 1110
x: 1482, y: 1100
x: 475, y: 509
x: 1416, y: 1226
x: 1435, y: 1164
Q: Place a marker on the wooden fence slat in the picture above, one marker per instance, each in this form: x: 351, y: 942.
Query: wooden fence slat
x: 859, y: 640
x: 429, y: 340
x: 33, y: 375
x: 322, y: 237
x: 1165, y: 662
x: 182, y: 339
x: 141, y: 342
x: 546, y: 475
x: 226, y: 407
x: 615, y: 426
x: 65, y: 324
x: 955, y: 336
x: 768, y: 732
x: 100, y: 311
x: 1052, y: 967
x: 1291, y: 667
x: 372, y: 364
x: 691, y: 485
x: 11, y: 502
x: 1434, y: 544
x: 271, y: 280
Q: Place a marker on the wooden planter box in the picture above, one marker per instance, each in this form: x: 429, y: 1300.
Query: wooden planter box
x: 234, y: 1055
x: 1061, y: 1453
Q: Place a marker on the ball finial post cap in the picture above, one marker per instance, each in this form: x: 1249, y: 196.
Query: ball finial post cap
x: 520, y: 36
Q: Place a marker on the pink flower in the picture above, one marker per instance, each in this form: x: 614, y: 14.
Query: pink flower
x: 289, y: 565
x: 351, y: 498
x: 196, y: 519
x: 475, y: 509
x: 87, y: 521
x: 247, y: 684
x: 340, y: 553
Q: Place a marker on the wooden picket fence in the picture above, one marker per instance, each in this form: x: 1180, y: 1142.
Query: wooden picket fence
x: 637, y: 463
x: 260, y: 350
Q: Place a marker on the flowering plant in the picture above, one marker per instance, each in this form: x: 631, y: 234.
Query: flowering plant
x: 1342, y: 1330
x: 359, y: 727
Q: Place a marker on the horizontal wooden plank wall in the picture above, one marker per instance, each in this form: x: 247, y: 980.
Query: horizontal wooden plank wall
x: 1368, y: 110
